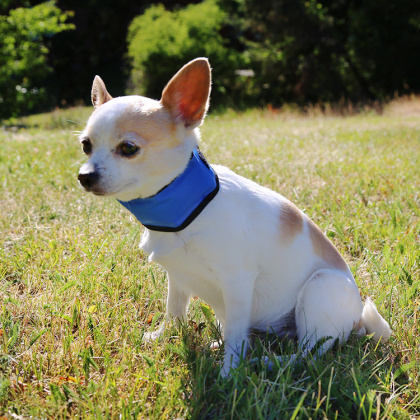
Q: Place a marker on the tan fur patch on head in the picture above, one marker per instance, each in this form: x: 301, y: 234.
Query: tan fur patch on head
x: 148, y: 119
x: 324, y: 248
x: 291, y: 221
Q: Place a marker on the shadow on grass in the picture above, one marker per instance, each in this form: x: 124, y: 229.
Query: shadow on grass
x: 351, y: 381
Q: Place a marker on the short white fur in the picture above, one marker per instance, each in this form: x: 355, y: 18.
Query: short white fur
x: 242, y: 255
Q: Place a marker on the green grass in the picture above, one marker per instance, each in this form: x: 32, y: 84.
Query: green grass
x: 77, y: 294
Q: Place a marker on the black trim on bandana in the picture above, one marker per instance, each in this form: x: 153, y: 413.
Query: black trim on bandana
x: 193, y: 215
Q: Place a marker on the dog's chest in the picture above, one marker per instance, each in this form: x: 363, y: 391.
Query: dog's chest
x: 190, y: 265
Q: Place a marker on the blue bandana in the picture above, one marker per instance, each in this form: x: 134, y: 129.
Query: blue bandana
x: 175, y: 206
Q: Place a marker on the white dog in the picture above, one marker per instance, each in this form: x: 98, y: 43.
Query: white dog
x: 247, y: 251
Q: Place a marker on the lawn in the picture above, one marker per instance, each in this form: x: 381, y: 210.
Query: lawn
x: 77, y: 294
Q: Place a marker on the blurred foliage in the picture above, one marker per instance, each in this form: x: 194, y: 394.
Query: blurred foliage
x: 160, y: 42
x: 312, y: 51
x: 277, y: 51
x: 24, y: 47
x: 262, y: 51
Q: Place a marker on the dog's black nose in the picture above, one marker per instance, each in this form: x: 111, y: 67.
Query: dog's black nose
x: 88, y: 179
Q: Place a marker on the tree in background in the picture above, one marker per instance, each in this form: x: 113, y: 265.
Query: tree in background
x: 262, y: 51
x: 161, y: 41
x: 96, y: 45
x: 314, y: 50
x: 277, y: 51
x: 25, y: 35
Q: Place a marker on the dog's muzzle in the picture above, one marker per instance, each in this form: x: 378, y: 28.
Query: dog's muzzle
x: 88, y: 180
x: 88, y: 177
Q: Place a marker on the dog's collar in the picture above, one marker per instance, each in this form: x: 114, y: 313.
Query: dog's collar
x: 175, y: 206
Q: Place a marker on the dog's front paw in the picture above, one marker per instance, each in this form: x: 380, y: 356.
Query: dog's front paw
x: 153, y: 335
x: 230, y: 362
x: 225, y: 371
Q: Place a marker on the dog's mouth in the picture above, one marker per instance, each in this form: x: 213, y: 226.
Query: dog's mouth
x: 94, y: 190
x: 100, y: 191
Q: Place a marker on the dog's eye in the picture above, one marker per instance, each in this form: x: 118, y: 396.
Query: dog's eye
x: 128, y: 149
x: 87, y: 147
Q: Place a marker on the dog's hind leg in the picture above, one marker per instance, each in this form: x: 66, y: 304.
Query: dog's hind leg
x: 327, y: 309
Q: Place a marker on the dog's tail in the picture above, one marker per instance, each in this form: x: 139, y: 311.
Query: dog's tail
x: 373, y: 322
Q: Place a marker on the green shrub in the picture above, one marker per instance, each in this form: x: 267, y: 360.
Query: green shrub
x: 24, y: 35
x: 160, y: 42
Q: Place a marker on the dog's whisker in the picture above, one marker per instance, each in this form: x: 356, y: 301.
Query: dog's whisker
x: 75, y: 122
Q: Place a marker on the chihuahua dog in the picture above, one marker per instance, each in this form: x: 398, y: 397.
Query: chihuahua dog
x: 247, y: 251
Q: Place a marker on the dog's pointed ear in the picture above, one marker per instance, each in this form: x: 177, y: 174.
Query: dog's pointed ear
x: 186, y: 95
x: 99, y: 93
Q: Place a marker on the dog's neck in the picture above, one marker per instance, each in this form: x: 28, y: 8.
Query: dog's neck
x: 175, y: 206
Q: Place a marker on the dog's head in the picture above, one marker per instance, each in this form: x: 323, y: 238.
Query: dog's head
x: 137, y: 145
